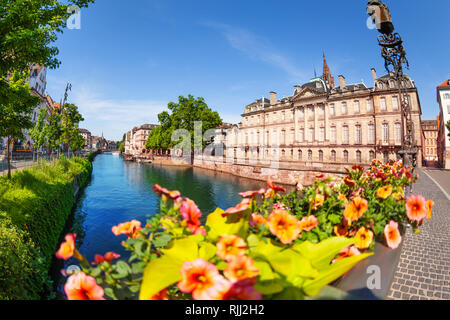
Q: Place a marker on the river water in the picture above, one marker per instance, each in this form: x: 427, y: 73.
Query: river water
x: 122, y: 191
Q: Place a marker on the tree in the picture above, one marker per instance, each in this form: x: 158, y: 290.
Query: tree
x: 183, y: 115
x: 53, y: 132
x: 70, y: 121
x: 27, y: 30
x: 15, y: 110
x: 37, y: 134
x: 77, y: 143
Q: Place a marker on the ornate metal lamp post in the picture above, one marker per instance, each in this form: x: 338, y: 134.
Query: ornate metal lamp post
x: 394, y: 54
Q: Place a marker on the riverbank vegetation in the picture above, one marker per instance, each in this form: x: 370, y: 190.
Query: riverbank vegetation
x: 34, y: 206
x: 271, y: 245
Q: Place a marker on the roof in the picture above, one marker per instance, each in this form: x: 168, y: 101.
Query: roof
x: 84, y: 130
x: 444, y: 84
x: 147, y: 126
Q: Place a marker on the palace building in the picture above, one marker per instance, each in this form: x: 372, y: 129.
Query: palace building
x: 323, y: 124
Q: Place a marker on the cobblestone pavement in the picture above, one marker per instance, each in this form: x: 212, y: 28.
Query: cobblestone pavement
x: 423, y: 271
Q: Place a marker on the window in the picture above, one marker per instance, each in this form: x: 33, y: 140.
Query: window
x: 302, y: 113
x: 383, y: 104
x: 357, y: 108
x: 358, y: 156
x: 292, y: 114
x: 267, y: 137
x: 274, y: 117
x: 311, y: 113
x: 267, y: 117
x: 332, y: 110
x: 292, y: 136
x: 446, y: 96
x: 395, y: 103
x: 283, y: 137
x: 322, y: 111
x: 385, y: 133
x: 333, y: 134
x: 392, y: 84
x: 345, y: 156
x: 283, y: 153
x: 310, y: 155
x: 344, y: 107
x: 283, y: 116
x: 292, y: 154
x: 321, y: 155
x: 302, y: 135
x: 322, y: 134
x: 345, y: 138
x: 371, y: 155
x: 371, y: 134
x: 358, y: 134
x: 300, y: 155
x: 333, y: 156
x: 398, y: 133
x: 369, y: 105
x: 274, y: 137
x: 311, y: 134
x: 448, y: 108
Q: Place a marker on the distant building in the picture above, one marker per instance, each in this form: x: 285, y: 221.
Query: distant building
x: 136, y: 138
x: 443, y: 98
x: 86, y: 134
x: 430, y: 129
x: 99, y: 143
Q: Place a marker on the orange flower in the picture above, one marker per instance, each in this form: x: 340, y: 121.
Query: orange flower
x: 129, y: 228
x: 364, y: 238
x: 342, y: 197
x: 256, y: 220
x: 308, y: 223
x: 416, y: 208
x: 240, y: 268
x: 346, y: 253
x: 341, y: 230
x: 284, y: 225
x: 429, y: 204
x: 109, y: 256
x: 274, y: 187
x: 191, y: 214
x: 355, y: 210
x: 252, y: 194
x: 384, y: 192
x: 241, y: 207
x: 318, y: 201
x: 203, y: 280
x: 230, y: 246
x: 162, y: 295
x: 392, y: 235
x: 67, y: 248
x: 163, y: 191
x: 83, y: 287
x: 399, y: 196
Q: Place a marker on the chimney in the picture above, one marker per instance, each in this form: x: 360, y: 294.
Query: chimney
x: 374, y: 75
x: 273, y: 98
x: 341, y: 82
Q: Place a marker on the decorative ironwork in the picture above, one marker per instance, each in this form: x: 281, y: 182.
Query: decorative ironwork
x: 394, y: 55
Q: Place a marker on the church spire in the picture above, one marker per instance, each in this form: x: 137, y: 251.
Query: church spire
x: 326, y: 76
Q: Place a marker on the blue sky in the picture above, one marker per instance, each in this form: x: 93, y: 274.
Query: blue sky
x: 130, y: 58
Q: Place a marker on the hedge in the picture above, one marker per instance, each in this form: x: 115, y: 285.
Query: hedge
x: 34, y: 207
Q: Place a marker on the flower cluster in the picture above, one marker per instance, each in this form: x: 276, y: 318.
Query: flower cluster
x: 247, y: 251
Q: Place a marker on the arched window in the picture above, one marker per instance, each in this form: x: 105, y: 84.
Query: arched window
x: 333, y: 156
x: 300, y: 155
x: 283, y: 153
x: 320, y: 155
x: 310, y: 155
x: 345, y: 156
x: 358, y: 157
x: 386, y: 157
x: 371, y: 155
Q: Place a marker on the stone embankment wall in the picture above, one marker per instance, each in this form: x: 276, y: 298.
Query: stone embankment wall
x: 283, y: 172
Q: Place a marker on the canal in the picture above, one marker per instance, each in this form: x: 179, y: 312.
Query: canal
x: 121, y: 191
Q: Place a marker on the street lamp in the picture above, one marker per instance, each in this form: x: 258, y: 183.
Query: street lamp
x: 394, y: 55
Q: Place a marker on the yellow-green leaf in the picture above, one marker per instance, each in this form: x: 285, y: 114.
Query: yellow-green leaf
x: 165, y: 271
x: 331, y: 273
x: 218, y: 226
x: 207, y: 251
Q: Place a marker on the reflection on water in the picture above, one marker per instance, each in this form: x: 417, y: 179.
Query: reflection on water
x: 121, y: 191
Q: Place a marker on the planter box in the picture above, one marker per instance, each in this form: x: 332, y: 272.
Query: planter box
x: 359, y: 282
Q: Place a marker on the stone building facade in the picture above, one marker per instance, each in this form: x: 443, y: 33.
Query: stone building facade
x: 328, y: 126
x: 87, y: 136
x: 443, y: 98
x: 430, y: 129
x: 136, y: 138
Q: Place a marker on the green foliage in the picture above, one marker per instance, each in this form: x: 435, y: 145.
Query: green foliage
x: 70, y: 120
x: 53, y: 131
x: 37, y: 134
x: 448, y: 127
x: 183, y: 115
x: 34, y: 207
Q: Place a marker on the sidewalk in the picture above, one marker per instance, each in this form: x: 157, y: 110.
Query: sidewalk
x: 423, y: 271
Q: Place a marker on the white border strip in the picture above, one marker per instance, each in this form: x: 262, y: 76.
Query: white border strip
x: 435, y: 182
